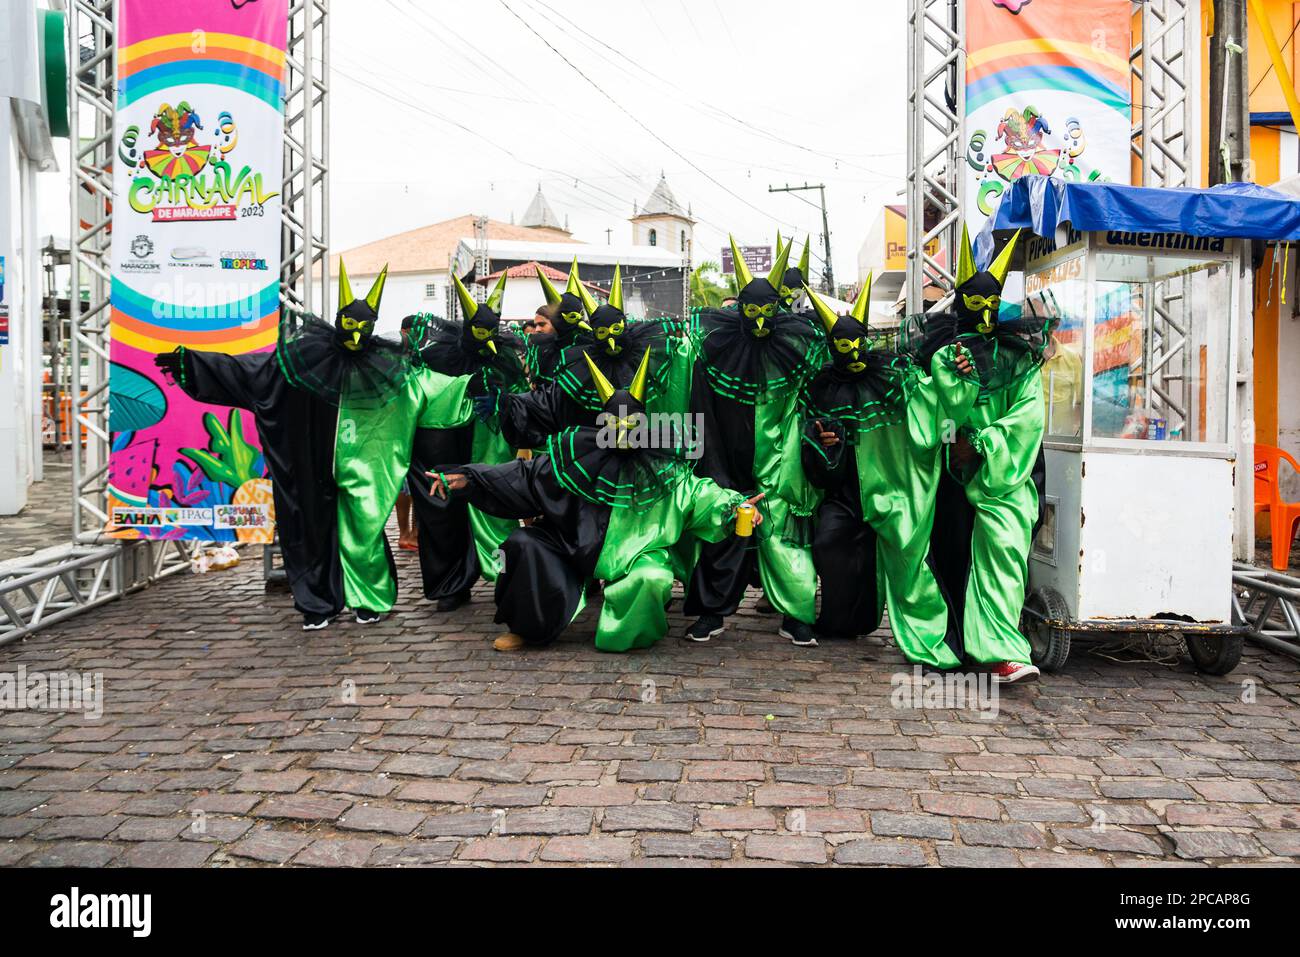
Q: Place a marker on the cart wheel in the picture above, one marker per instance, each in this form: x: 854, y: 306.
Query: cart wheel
x: 1213, y: 654
x: 1048, y: 645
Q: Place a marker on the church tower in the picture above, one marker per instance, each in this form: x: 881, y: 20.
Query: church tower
x: 539, y: 214
x: 662, y: 222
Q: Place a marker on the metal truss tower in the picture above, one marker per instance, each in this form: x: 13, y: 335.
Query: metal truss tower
x: 62, y: 581
x: 1165, y: 73
x: 936, y: 105
x: 304, y: 274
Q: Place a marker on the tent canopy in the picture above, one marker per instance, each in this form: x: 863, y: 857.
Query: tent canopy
x: 1041, y: 205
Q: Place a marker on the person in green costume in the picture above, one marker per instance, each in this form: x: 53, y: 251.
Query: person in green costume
x: 612, y: 503
x: 752, y: 362
x: 874, y: 431
x: 457, y: 543
x: 372, y: 454
x: 613, y: 347
x: 988, y: 501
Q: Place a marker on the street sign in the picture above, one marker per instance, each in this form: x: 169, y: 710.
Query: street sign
x: 757, y: 258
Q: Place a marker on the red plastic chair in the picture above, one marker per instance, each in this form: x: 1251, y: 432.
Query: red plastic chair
x: 1283, y: 516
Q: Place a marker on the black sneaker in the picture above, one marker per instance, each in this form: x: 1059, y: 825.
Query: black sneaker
x: 705, y: 627
x: 367, y: 617
x: 798, y: 633
x: 452, y: 602
x: 314, y: 622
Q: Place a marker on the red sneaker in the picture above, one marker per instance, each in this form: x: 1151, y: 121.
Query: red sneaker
x: 1009, y: 672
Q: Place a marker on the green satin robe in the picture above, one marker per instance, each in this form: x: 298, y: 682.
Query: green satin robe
x: 785, y: 563
x: 898, y: 468
x: 372, y: 453
x: 898, y: 472
x: 636, y: 561
x: 1007, y: 433
x: 489, y: 532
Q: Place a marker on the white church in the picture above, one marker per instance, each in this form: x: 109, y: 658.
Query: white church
x: 420, y: 261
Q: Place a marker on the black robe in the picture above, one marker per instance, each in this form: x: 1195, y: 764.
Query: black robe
x: 449, y: 562
x: 297, y: 430
x: 726, y: 568
x: 844, y: 545
x: 547, y: 563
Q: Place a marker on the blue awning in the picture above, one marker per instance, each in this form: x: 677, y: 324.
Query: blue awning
x: 1041, y: 204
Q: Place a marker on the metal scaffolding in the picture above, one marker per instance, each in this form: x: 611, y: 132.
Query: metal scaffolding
x: 936, y: 105
x: 60, y: 582
x: 304, y: 274
x: 1267, y: 603
x: 1164, y: 65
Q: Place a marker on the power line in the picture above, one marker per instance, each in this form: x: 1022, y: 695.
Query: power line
x: 472, y: 132
x: 478, y: 64
x: 630, y: 115
x: 690, y: 99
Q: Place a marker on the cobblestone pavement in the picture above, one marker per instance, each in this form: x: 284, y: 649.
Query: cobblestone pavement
x: 230, y: 737
x: 47, y: 518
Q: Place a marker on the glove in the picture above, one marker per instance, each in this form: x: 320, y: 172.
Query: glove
x: 172, y: 365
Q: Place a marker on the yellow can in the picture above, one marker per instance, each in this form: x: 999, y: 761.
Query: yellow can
x: 745, y: 520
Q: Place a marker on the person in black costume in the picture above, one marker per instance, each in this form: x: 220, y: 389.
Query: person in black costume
x: 294, y: 393
x: 752, y: 362
x: 456, y: 545
x: 989, y: 503
x: 614, y: 347
x: 612, y: 504
x: 567, y: 315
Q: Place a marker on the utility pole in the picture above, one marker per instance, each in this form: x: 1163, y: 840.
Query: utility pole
x: 828, y: 273
x: 1229, y: 101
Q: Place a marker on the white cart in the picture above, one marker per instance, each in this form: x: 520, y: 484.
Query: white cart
x: 1140, y: 397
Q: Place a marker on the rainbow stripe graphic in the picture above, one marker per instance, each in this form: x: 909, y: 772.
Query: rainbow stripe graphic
x: 1064, y: 45
x: 150, y: 66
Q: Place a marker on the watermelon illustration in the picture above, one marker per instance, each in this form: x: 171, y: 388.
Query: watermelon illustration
x: 130, y: 473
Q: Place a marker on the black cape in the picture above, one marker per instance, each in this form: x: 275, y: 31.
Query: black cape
x: 733, y: 371
x: 297, y: 429
x: 547, y: 563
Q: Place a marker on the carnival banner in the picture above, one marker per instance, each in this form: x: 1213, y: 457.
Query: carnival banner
x: 1047, y: 92
x: 199, y: 134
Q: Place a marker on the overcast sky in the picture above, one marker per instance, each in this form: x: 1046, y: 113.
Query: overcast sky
x: 441, y: 109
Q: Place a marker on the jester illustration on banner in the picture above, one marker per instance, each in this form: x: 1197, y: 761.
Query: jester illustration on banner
x: 1047, y: 94
x: 195, y: 259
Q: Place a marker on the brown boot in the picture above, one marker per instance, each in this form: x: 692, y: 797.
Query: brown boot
x: 509, y: 642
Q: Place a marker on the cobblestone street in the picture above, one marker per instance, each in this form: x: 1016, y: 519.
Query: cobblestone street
x: 229, y: 737
x: 47, y: 518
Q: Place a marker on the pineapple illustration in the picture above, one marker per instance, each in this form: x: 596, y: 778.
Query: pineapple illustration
x: 230, y: 459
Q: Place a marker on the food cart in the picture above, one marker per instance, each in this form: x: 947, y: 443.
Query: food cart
x: 1141, y: 393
